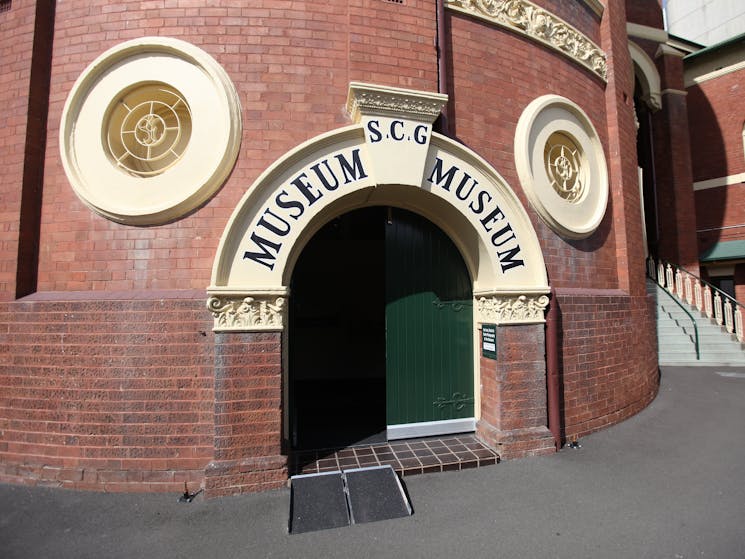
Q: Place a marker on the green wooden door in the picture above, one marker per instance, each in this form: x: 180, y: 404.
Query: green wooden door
x: 429, y: 324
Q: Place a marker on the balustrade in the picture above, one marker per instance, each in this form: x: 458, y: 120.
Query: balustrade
x: 699, y: 294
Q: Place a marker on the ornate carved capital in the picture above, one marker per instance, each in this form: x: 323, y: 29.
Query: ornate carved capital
x: 254, y: 312
x: 530, y: 20
x: 512, y: 309
x: 366, y: 99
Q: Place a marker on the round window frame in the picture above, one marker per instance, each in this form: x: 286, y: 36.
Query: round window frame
x: 543, y: 117
x: 208, y: 159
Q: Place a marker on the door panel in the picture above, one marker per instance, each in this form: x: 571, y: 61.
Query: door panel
x: 429, y: 324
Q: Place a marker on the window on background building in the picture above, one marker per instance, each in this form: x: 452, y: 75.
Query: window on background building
x: 725, y: 284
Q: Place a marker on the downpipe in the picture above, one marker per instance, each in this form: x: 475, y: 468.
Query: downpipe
x: 552, y: 370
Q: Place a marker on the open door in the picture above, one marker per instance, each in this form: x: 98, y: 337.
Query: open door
x: 429, y: 331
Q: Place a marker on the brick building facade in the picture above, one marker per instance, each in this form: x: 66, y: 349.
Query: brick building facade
x: 151, y: 341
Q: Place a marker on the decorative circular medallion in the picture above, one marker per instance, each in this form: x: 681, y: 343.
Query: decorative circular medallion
x: 563, y: 160
x: 561, y: 165
x: 150, y: 131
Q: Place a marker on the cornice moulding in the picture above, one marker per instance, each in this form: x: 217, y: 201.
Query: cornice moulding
x: 367, y: 99
x: 667, y: 50
x: 596, y: 6
x: 693, y: 80
x: 532, y: 21
x: 647, y: 32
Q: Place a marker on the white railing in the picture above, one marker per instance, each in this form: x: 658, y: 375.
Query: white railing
x: 704, y: 297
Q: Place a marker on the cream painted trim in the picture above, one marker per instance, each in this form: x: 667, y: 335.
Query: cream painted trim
x: 228, y: 271
x: 541, y: 119
x: 671, y: 91
x: 370, y: 99
x: 721, y: 181
x: 503, y: 308
x: 430, y: 428
x: 650, y: 76
x: 248, y: 310
x: 646, y: 32
x: 681, y: 46
x: 715, y: 74
x: 667, y: 50
x: 596, y: 6
x: 207, y: 159
x: 532, y: 21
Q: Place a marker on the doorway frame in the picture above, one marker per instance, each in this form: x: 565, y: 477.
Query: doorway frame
x: 506, y: 292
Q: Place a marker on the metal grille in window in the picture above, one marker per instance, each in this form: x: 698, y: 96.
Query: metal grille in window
x: 4, y: 5
x: 394, y: 1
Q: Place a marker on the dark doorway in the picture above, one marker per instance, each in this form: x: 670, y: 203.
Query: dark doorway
x: 337, y: 334
x: 381, y: 332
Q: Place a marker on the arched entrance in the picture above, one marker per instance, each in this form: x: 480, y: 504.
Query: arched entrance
x: 400, y: 363
x: 390, y: 157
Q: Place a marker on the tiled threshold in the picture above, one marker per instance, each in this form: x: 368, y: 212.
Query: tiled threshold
x: 407, y: 457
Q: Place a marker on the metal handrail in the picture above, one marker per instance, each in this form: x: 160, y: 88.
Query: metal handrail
x: 713, y: 287
x: 693, y: 320
x: 714, y: 303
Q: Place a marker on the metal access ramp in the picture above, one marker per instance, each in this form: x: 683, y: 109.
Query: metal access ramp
x: 341, y: 498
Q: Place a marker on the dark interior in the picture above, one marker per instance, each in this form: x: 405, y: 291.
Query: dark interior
x: 337, y: 334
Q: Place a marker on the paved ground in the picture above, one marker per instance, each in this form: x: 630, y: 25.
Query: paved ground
x: 668, y: 483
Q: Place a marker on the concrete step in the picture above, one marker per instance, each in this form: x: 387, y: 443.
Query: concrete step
x: 675, y: 335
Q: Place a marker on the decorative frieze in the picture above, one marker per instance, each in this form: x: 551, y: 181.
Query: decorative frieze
x: 253, y: 312
x: 367, y: 99
x: 530, y: 20
x: 511, y: 308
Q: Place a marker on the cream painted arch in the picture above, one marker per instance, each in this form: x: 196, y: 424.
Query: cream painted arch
x: 648, y: 76
x: 248, y: 293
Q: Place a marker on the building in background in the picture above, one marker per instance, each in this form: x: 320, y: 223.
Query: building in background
x: 706, y: 22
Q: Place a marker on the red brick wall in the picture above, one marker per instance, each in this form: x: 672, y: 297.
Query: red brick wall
x: 16, y: 48
x: 602, y: 381
x: 740, y: 282
x: 716, y: 113
x: 288, y: 60
x: 248, y: 415
x: 720, y: 207
x: 578, y: 14
x: 106, y: 393
x: 496, y: 74
x: 513, y: 394
x: 645, y: 12
x: 131, y: 389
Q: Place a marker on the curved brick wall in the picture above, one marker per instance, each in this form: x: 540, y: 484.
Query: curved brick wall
x: 111, y: 375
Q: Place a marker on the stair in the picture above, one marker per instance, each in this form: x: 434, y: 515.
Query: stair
x: 676, y: 337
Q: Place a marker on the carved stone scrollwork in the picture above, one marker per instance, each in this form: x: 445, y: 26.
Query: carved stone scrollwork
x: 512, y: 309
x: 252, y: 313
x: 531, y: 20
x: 366, y: 99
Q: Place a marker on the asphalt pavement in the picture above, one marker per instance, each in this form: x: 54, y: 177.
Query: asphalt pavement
x: 667, y: 483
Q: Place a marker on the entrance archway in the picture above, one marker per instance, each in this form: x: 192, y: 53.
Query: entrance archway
x: 400, y: 363
x: 391, y: 157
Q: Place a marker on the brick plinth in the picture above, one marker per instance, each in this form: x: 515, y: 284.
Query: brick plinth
x: 248, y: 415
x: 231, y: 477
x: 602, y: 379
x: 111, y: 392
x: 513, y: 394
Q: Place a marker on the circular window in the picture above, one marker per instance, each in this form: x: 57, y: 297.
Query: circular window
x: 563, y: 159
x: 561, y: 166
x: 150, y: 131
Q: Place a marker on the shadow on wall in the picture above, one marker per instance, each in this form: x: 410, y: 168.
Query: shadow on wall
x: 709, y: 159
